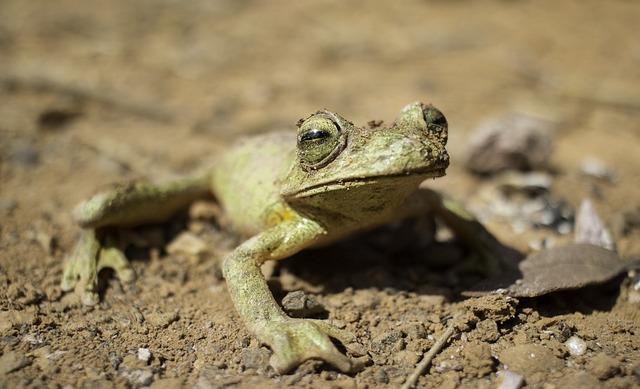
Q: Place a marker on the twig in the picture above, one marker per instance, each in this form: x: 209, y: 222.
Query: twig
x: 428, y: 357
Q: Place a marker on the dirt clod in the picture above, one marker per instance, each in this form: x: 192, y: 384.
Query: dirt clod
x: 604, y: 366
x: 12, y: 361
x: 528, y: 359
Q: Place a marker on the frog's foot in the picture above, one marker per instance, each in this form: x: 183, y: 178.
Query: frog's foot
x: 294, y: 341
x: 89, y: 257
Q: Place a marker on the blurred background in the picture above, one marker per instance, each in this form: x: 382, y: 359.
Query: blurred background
x: 223, y: 67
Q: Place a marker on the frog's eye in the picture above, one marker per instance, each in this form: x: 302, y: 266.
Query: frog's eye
x: 436, y: 122
x: 320, y: 140
x: 434, y: 118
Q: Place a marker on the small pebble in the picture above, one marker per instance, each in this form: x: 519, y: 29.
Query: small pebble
x: 137, y: 377
x: 589, y: 228
x: 634, y: 292
x: 144, y: 354
x: 530, y: 182
x: 512, y: 142
x: 576, y: 346
x: 187, y: 243
x: 509, y: 380
x: 254, y: 358
x: 299, y: 304
x: 596, y: 168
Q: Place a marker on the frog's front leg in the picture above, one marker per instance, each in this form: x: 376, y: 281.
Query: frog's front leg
x: 292, y: 340
x: 122, y: 205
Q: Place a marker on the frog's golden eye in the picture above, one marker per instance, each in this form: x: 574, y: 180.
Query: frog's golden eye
x: 434, y: 118
x: 320, y: 140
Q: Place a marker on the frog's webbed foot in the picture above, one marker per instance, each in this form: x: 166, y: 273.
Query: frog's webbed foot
x: 95, y: 251
x: 294, y: 341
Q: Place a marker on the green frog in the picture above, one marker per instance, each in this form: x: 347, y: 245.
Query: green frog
x: 287, y: 192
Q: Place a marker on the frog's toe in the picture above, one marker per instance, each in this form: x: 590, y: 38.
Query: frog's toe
x: 81, y: 270
x: 285, y: 363
x: 89, y: 298
x: 113, y: 258
x: 87, y: 289
x: 88, y: 258
x: 299, y: 340
x: 345, y: 337
x: 69, y: 279
x: 85, y: 282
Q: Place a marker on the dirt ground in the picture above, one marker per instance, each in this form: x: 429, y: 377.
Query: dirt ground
x: 99, y: 92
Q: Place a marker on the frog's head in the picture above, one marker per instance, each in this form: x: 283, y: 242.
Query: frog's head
x: 387, y: 163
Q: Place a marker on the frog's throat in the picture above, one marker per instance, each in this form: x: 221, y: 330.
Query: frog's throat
x: 355, y: 182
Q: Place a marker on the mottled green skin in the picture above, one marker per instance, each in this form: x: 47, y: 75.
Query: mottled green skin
x: 336, y: 182
x: 260, y: 181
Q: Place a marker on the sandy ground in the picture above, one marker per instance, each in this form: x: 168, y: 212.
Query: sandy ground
x: 97, y: 92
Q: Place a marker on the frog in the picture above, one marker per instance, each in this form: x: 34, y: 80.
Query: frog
x: 285, y: 192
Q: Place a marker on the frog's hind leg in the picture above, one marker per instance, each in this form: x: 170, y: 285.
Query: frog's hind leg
x: 124, y: 205
x: 494, y: 257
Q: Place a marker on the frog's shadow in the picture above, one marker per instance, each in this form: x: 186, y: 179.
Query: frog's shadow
x: 383, y: 259
x: 441, y: 268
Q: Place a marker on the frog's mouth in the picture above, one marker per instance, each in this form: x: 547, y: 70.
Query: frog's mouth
x: 413, y: 178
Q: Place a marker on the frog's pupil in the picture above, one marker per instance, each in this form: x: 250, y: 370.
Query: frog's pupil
x: 440, y: 120
x: 314, y: 134
x: 436, y: 117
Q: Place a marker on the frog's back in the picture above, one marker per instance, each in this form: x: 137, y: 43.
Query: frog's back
x: 246, y: 179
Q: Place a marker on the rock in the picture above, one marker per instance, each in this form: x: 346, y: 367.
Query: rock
x: 205, y: 210
x: 513, y: 142
x: 413, y: 331
x: 487, y: 331
x: 255, y: 358
x: 571, y: 266
x: 589, y: 227
x: 576, y: 346
x: 144, y: 354
x: 594, y: 167
x: 187, y: 243
x: 299, y: 304
x: 387, y: 342
x: 137, y: 377
x: 509, y: 380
